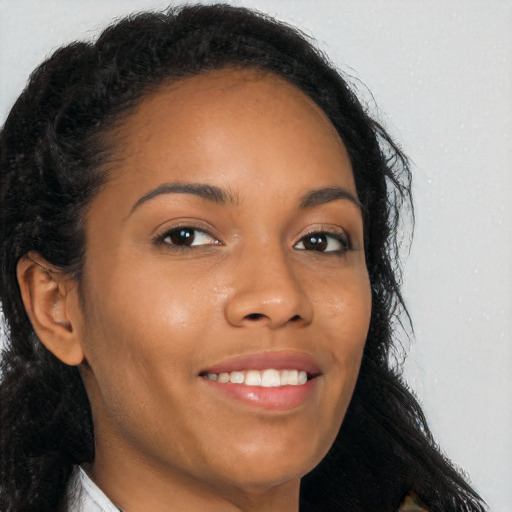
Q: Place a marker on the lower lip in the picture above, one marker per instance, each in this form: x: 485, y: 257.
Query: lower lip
x: 282, y: 398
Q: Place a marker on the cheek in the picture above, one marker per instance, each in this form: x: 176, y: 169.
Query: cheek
x: 346, y: 319
x: 144, y: 326
x: 345, y: 307
x: 139, y: 343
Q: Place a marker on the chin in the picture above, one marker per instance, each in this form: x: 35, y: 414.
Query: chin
x: 262, y: 466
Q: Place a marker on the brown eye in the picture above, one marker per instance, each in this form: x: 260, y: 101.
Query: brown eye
x: 187, y: 237
x: 182, y: 236
x: 315, y: 242
x: 323, y: 242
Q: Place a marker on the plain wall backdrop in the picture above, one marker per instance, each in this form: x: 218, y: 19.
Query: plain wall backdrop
x: 441, y: 75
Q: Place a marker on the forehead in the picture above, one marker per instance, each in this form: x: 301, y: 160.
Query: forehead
x: 229, y: 91
x: 206, y: 127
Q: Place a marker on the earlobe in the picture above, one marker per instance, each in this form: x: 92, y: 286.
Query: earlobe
x: 51, y: 302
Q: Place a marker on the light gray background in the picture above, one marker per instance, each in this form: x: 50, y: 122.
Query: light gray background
x: 441, y: 75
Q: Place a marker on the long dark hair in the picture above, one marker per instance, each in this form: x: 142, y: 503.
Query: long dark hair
x: 54, y: 152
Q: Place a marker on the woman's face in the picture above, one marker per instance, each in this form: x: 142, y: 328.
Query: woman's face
x: 227, y: 245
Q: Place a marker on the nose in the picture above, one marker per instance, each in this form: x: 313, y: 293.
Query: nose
x: 268, y: 292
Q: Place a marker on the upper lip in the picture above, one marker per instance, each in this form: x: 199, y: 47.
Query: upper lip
x: 282, y: 360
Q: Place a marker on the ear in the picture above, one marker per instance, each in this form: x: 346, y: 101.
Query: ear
x: 52, y: 304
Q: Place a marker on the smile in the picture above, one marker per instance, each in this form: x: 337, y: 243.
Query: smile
x: 275, y: 381
x: 269, y: 378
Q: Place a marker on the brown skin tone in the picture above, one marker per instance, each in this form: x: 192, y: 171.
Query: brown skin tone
x: 155, y: 315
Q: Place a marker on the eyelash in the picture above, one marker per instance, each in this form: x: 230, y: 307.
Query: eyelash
x: 320, y: 237
x: 161, y: 239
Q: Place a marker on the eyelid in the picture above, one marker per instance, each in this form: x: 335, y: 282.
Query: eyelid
x: 336, y: 232
x: 159, y: 238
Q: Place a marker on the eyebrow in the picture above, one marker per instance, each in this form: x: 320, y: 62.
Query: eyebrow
x: 220, y: 196
x: 327, y: 195
x: 208, y: 192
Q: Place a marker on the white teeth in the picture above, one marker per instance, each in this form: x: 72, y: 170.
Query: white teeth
x: 253, y: 378
x: 268, y: 378
x: 293, y: 378
x: 237, y: 377
x: 224, y: 377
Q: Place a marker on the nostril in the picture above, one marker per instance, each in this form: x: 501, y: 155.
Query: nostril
x: 259, y: 316
x: 255, y: 316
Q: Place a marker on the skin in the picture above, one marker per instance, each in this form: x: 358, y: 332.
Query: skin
x: 150, y: 316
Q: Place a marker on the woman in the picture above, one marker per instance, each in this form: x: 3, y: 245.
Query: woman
x: 198, y: 274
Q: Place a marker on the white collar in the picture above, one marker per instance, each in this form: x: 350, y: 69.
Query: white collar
x: 85, y: 496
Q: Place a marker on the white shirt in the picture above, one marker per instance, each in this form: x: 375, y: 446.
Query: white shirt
x: 85, y: 496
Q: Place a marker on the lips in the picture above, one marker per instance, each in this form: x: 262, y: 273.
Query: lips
x: 272, y: 380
